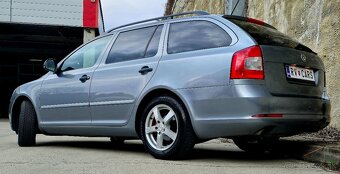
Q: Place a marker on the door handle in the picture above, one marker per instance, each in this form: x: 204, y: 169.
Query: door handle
x: 84, y: 78
x: 145, y: 70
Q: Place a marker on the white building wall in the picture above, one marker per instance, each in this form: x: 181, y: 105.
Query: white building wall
x: 48, y: 12
x: 5, y: 6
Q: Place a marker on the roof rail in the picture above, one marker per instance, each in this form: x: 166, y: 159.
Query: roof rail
x: 198, y: 13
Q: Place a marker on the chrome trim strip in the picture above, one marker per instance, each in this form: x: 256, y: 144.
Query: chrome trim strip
x: 86, y: 104
x: 111, y: 102
x: 64, y: 105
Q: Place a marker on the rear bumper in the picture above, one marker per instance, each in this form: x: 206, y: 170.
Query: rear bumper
x: 286, y: 126
x: 226, y: 111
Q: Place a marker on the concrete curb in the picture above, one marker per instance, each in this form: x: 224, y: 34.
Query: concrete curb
x: 323, y: 153
x: 328, y: 156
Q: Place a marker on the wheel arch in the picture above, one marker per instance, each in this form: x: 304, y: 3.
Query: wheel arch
x: 152, y: 94
x: 15, y: 111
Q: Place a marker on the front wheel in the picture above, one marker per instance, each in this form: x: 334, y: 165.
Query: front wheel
x: 166, y: 130
x: 27, y: 125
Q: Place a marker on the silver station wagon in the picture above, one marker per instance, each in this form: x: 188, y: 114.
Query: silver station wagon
x: 175, y: 81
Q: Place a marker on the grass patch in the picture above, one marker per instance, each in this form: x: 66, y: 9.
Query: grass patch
x: 330, y: 165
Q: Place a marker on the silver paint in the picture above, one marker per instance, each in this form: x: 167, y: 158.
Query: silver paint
x: 106, y: 105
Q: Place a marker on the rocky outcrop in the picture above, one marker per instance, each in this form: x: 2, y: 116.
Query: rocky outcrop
x: 212, y: 6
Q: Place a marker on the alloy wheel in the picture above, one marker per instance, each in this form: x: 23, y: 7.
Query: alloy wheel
x: 161, y: 127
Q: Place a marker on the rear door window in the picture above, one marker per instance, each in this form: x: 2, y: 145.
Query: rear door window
x: 268, y: 36
x: 135, y: 44
x: 154, y: 42
x: 196, y: 35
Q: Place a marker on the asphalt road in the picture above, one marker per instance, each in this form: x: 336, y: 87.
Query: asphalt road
x: 62, y: 154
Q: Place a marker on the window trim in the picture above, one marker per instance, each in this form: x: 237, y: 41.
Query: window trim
x: 61, y: 63
x: 147, y: 46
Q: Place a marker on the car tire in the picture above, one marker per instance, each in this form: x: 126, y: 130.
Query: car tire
x: 256, y: 144
x: 27, y: 128
x: 166, y: 129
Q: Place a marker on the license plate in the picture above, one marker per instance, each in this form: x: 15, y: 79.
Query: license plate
x: 300, y: 73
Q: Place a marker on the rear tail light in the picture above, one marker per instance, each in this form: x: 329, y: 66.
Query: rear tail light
x: 268, y: 116
x: 247, y: 64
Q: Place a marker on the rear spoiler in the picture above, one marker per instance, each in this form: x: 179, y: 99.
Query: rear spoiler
x: 252, y: 20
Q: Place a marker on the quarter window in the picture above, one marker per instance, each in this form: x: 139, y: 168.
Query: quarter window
x: 135, y: 44
x: 86, y: 56
x: 196, y: 35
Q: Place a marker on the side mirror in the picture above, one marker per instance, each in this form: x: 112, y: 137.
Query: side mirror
x: 50, y: 65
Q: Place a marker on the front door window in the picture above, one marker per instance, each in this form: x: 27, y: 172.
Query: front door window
x: 86, y: 56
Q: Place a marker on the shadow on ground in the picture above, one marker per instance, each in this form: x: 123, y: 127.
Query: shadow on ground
x: 197, y: 152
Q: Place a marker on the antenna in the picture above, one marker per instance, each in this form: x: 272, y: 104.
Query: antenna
x: 232, y: 12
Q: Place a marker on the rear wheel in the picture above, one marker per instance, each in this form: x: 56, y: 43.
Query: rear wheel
x: 27, y: 125
x: 166, y: 129
x: 256, y: 144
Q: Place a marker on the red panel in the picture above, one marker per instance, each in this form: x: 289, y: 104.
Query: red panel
x: 90, y: 13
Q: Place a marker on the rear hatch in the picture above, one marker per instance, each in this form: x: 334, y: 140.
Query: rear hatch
x: 291, y: 69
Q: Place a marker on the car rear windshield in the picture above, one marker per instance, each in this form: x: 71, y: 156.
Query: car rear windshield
x: 268, y: 36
